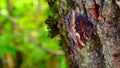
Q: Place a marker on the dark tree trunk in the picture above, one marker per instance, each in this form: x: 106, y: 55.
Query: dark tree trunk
x: 89, y: 31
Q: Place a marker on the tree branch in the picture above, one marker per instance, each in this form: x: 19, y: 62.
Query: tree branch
x: 57, y: 52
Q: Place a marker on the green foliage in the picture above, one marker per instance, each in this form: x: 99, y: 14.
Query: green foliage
x: 23, y: 29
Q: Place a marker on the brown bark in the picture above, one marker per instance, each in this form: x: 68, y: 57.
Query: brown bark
x: 102, y: 49
x: 10, y: 61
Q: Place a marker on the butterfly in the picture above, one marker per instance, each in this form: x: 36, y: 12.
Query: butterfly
x: 79, y: 28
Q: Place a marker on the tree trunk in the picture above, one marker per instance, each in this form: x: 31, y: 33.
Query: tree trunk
x: 89, y: 31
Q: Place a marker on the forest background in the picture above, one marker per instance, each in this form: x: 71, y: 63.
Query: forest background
x: 24, y: 37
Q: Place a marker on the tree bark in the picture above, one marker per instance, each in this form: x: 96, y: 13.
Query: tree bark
x: 98, y: 46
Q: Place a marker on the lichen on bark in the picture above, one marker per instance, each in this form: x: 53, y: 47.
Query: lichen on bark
x: 102, y: 50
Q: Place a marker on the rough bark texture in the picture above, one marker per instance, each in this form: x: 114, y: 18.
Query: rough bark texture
x: 102, y: 48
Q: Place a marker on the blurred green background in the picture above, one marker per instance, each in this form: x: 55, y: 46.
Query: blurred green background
x: 24, y: 37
